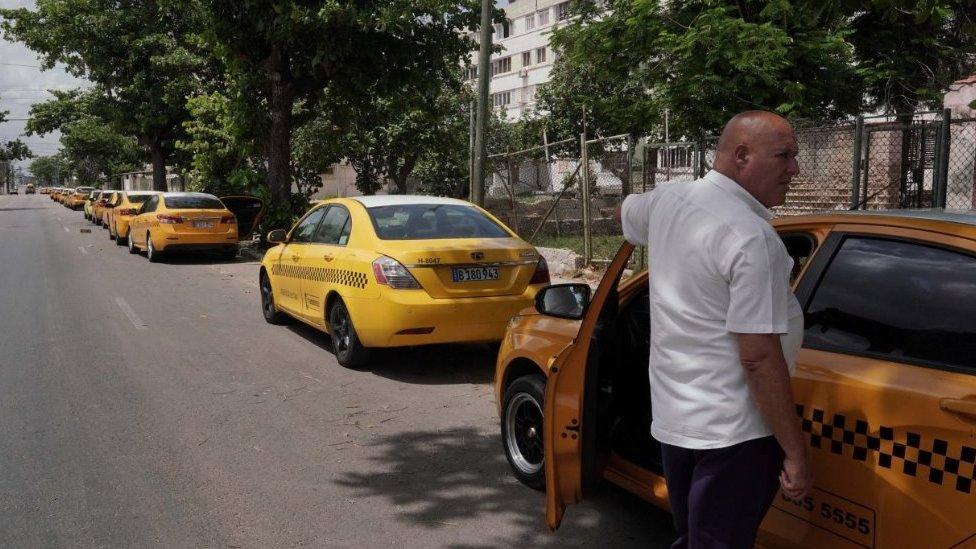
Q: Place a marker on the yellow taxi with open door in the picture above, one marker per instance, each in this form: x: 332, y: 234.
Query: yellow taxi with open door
x: 885, y: 384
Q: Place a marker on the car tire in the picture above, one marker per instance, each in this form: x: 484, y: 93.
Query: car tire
x: 152, y: 254
x: 271, y: 313
x: 345, y: 342
x: 229, y: 254
x: 132, y: 245
x: 522, y: 429
x: 120, y: 240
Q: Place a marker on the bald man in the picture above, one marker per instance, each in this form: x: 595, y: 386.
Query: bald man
x: 725, y: 331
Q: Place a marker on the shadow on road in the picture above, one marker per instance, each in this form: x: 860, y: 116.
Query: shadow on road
x: 423, y: 365
x: 438, y: 478
x: 195, y: 258
x: 19, y: 209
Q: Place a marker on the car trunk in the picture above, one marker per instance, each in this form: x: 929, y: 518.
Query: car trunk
x: 200, y: 221
x: 473, y: 267
x: 248, y: 210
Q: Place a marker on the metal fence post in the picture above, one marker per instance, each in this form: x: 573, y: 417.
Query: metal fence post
x: 585, y: 189
x: 625, y: 185
x: 940, y: 181
x: 856, y: 167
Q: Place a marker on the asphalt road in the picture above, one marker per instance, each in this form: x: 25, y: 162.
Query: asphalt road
x: 151, y: 405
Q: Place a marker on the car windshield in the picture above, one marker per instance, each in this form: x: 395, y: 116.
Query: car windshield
x: 139, y: 198
x: 432, y: 221
x: 186, y: 202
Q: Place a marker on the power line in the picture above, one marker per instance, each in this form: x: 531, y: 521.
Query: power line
x: 20, y: 65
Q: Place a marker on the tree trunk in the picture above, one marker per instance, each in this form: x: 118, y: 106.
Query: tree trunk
x: 159, y: 165
x: 279, y: 141
x: 404, y: 172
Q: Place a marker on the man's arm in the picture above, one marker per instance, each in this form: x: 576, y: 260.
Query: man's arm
x: 769, y: 383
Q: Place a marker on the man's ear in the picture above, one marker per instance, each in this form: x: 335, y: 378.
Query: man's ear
x: 741, y: 154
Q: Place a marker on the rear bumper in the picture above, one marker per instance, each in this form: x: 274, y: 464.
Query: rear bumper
x: 170, y: 240
x: 463, y: 320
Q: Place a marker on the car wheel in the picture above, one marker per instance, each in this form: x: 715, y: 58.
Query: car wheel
x: 120, y: 240
x: 132, y: 245
x: 522, y: 429
x: 271, y: 313
x: 345, y: 342
x: 151, y: 253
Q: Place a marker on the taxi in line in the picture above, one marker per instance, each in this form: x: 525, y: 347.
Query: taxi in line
x: 182, y: 221
x: 885, y: 384
x: 389, y: 271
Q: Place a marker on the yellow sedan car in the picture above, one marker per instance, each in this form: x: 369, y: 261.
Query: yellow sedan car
x: 390, y: 271
x: 885, y: 384
x: 76, y: 200
x: 173, y: 222
x: 120, y: 211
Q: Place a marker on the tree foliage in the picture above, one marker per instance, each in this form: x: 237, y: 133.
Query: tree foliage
x: 50, y: 170
x: 140, y: 55
x: 705, y: 60
x: 293, y: 53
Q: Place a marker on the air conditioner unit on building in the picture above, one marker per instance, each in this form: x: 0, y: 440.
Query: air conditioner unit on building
x: 523, y: 72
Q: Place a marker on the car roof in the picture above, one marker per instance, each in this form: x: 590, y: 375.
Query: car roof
x: 139, y: 193
x: 376, y: 201
x: 206, y: 195
x: 965, y: 217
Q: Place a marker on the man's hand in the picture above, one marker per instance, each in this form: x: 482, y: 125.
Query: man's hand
x: 796, y: 478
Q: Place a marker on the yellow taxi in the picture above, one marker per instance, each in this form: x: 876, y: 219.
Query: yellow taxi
x: 101, y: 206
x: 119, y: 211
x: 175, y: 222
x: 885, y: 384
x: 76, y: 200
x: 58, y: 194
x: 90, y: 202
x: 390, y: 271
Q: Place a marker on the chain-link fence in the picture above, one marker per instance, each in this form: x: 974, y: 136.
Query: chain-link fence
x: 961, y: 164
x: 563, y: 195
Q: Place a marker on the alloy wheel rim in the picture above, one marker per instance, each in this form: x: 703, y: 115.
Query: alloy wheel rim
x: 266, y: 297
x: 523, y: 428
x: 341, y: 330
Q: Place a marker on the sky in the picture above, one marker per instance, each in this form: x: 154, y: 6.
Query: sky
x: 23, y: 83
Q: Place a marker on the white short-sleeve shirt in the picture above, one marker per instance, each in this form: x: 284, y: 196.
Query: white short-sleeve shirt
x: 717, y: 269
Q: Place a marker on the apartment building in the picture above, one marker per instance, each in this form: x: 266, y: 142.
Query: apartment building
x: 526, y: 57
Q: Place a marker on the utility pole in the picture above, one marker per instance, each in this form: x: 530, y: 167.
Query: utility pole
x: 484, y: 75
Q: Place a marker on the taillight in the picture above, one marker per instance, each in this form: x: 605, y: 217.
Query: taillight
x: 228, y: 219
x: 392, y: 273
x: 169, y: 219
x: 541, y: 274
x: 128, y: 211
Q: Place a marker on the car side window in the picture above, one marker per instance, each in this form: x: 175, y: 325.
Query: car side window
x: 334, y: 228
x: 896, y: 300
x: 800, y: 246
x: 149, y: 206
x: 306, y: 227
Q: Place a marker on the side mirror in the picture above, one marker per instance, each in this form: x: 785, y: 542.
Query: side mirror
x: 563, y: 300
x: 277, y: 236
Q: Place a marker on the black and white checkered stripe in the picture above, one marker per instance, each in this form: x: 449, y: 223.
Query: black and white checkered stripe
x: 855, y: 438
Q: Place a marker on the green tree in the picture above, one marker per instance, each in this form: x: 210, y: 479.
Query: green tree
x: 92, y: 146
x: 909, y: 51
x: 140, y: 54
x: 50, y: 170
x: 291, y: 53
x: 703, y: 60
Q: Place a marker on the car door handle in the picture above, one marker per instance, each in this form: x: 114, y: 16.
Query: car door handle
x: 963, y: 407
x: 295, y: 258
x: 328, y: 257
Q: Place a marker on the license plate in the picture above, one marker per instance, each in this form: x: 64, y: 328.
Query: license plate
x: 474, y: 274
x: 203, y: 224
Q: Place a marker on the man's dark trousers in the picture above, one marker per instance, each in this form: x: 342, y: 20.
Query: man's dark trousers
x: 719, y: 497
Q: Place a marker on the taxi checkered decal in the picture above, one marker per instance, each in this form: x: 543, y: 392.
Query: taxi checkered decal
x: 335, y: 276
x: 908, y: 455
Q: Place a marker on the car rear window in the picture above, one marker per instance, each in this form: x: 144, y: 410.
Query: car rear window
x: 193, y: 203
x: 432, y: 221
x: 139, y: 198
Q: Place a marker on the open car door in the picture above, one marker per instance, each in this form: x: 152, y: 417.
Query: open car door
x: 247, y: 210
x: 570, y: 415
